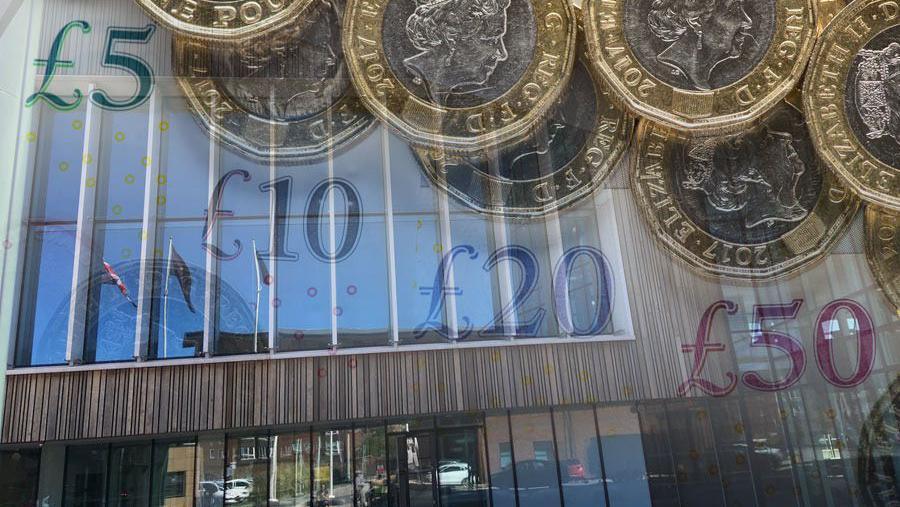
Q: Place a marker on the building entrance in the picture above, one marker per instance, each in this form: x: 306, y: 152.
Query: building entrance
x: 438, y: 468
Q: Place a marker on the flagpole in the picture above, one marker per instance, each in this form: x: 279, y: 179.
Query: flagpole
x: 258, y: 292
x: 166, y: 301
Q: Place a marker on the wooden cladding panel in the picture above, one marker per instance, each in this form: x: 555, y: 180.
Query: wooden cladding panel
x: 274, y: 392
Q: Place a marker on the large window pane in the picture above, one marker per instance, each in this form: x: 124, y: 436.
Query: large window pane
x: 332, y: 468
x: 178, y: 316
x: 19, y: 479
x: 119, y: 175
x: 86, y: 480
x: 174, y: 478
x: 247, y: 472
x: 623, y: 458
x: 112, y: 315
x: 291, y: 468
x: 535, y: 460
x: 370, y: 478
x: 129, y: 476
x: 210, y: 468
x: 579, y: 458
x: 462, y: 468
x: 46, y: 289
x: 57, y: 171
x: 503, y: 477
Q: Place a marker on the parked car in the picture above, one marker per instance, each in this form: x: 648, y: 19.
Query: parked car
x: 454, y: 473
x: 572, y: 470
x: 211, y: 493
x: 237, y: 490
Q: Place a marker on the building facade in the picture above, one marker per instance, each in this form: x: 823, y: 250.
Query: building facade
x: 344, y: 333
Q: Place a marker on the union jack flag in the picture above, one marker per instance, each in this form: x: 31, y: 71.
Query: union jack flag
x: 112, y: 278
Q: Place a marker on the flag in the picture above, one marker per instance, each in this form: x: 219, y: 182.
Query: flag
x: 112, y: 278
x: 264, y: 274
x: 180, y: 270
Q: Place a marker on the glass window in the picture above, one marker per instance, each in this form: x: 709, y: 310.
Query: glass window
x: 86, y: 479
x: 361, y: 269
x: 46, y: 291
x: 537, y: 479
x: 129, y: 476
x: 247, y: 470
x: 210, y: 469
x: 303, y: 305
x: 173, y: 474
x: 693, y: 448
x: 462, y: 468
x: 624, y: 457
x: 19, y: 480
x: 332, y: 468
x: 292, y: 468
x: 57, y: 173
x: 579, y: 458
x: 370, y: 477
x: 503, y: 476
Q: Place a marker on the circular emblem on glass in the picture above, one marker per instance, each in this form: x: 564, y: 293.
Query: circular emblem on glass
x: 220, y: 20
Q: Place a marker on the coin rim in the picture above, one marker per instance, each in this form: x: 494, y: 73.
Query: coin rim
x: 502, y: 136
x: 716, y: 123
x: 621, y: 140
x: 810, y: 107
x: 784, y: 269
x: 330, y: 145
x: 873, y: 215
x: 196, y: 31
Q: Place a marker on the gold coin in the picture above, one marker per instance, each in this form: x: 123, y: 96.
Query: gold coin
x: 568, y: 156
x: 221, y: 20
x: 852, y: 99
x: 882, y: 247
x: 287, y: 98
x: 755, y: 205
x: 707, y: 66
x: 460, y: 75
x: 826, y: 10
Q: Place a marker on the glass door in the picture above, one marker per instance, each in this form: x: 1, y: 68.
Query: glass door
x: 412, y: 467
x: 462, y: 468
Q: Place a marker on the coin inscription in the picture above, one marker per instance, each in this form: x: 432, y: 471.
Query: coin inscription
x: 705, y: 66
x: 288, y: 96
x: 563, y: 161
x: 755, y: 205
x: 851, y: 97
x: 699, y: 45
x: 460, y: 75
x: 883, y: 250
x: 222, y: 20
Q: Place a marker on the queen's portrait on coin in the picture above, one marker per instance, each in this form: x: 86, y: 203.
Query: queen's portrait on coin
x: 294, y: 75
x: 701, y: 35
x: 878, y: 91
x: 460, y: 44
x: 756, y: 177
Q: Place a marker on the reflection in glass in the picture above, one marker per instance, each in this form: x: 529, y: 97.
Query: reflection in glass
x: 248, y: 276
x: 120, y: 172
x: 177, y: 322
x: 57, y: 170
x: 535, y: 460
x: 657, y: 453
x: 173, y: 478
x: 210, y: 490
x: 85, y: 482
x: 411, y: 467
x: 112, y: 313
x: 579, y: 458
x: 291, y: 468
x: 370, y: 477
x: 332, y: 468
x: 129, y: 476
x: 247, y: 470
x: 503, y: 478
x: 462, y: 468
x: 19, y: 480
x: 46, y: 287
x: 623, y: 457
